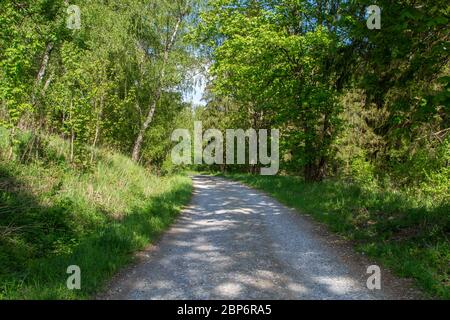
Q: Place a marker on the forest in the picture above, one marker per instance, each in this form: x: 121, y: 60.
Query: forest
x: 89, y: 100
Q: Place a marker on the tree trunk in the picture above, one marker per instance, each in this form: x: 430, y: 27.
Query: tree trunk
x: 42, y: 70
x: 315, y: 170
x: 151, y: 112
x: 11, y: 143
x: 44, y: 63
x: 140, y: 138
x: 72, y: 134
x: 72, y: 141
x: 97, y: 129
x: 47, y: 84
x: 311, y: 168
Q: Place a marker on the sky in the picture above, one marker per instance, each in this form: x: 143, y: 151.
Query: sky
x: 195, y: 97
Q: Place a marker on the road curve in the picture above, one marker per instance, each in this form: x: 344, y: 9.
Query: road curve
x: 233, y: 242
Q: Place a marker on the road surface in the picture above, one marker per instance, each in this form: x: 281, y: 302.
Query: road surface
x: 233, y: 242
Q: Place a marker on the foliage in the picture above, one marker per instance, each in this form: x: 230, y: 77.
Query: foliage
x: 364, y: 112
x: 93, y: 86
x: 404, y: 231
x: 51, y: 216
x: 338, y: 91
x: 366, y: 108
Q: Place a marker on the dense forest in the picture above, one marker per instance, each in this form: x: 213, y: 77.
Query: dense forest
x: 100, y: 84
x: 81, y: 93
x: 350, y: 101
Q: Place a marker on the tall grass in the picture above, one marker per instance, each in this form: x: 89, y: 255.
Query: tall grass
x: 406, y: 232
x: 53, y: 215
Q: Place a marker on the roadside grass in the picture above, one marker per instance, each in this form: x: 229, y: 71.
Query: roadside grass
x: 407, y: 233
x: 53, y: 216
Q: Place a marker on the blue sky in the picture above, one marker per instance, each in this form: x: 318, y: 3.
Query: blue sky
x: 195, y: 97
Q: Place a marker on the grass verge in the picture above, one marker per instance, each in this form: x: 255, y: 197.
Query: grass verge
x: 53, y: 216
x: 405, y: 233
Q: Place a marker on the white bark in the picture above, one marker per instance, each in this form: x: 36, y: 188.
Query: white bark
x: 151, y: 111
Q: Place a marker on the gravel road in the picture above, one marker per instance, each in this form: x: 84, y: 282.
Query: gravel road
x: 233, y: 242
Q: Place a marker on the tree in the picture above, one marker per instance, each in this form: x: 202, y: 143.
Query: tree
x: 279, y: 71
x: 159, y: 49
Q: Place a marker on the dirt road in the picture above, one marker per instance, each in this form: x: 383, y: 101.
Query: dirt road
x: 233, y: 242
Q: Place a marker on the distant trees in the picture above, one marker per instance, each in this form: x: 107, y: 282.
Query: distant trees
x: 348, y: 100
x: 316, y: 71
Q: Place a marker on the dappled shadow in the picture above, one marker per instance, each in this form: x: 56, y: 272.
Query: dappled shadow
x: 29, y: 229
x: 235, y: 243
x: 39, y: 241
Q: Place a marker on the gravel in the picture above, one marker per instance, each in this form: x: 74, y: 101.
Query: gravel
x: 233, y: 242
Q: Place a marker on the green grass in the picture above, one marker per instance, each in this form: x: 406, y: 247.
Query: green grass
x: 407, y: 233
x: 53, y: 215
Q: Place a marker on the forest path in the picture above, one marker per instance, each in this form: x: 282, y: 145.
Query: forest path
x: 233, y: 242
